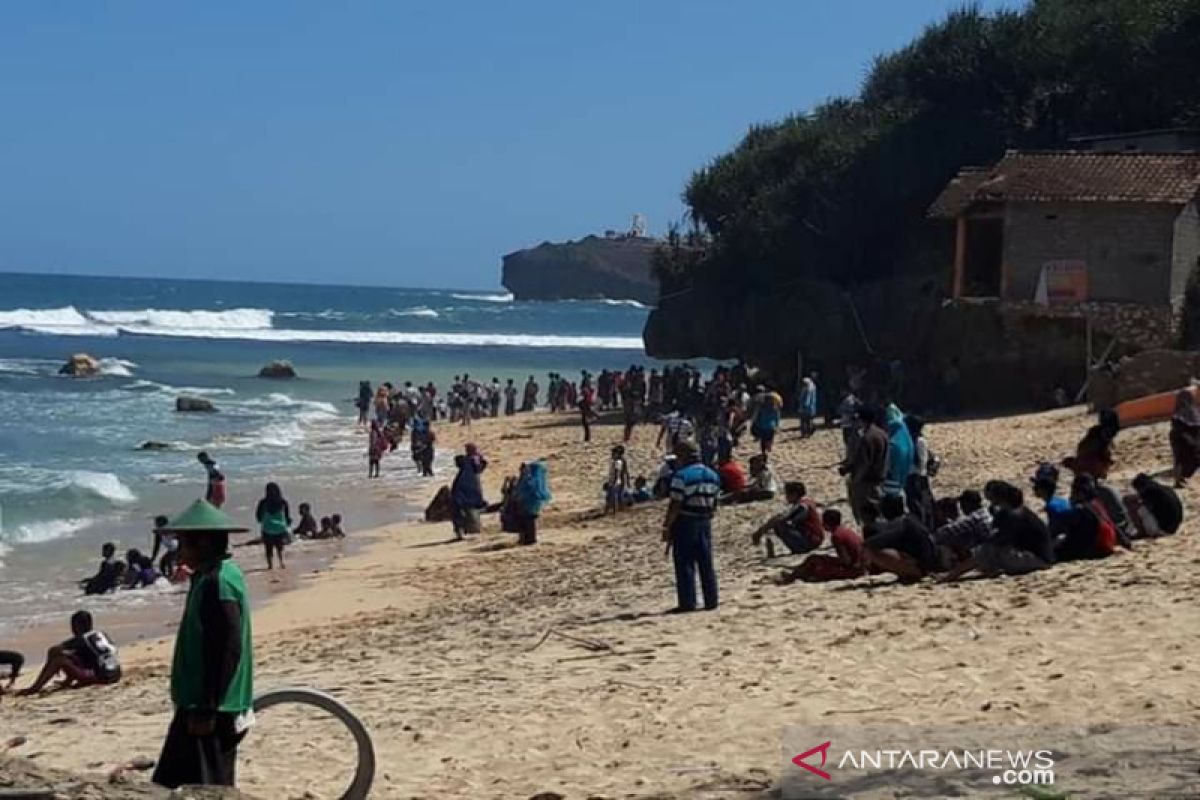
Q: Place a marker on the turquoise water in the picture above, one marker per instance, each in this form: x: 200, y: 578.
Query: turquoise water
x: 71, y: 473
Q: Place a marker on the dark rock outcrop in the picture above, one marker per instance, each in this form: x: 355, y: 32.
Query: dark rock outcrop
x: 594, y: 267
x: 152, y: 445
x: 1007, y: 355
x: 279, y: 370
x: 80, y: 365
x: 194, y: 404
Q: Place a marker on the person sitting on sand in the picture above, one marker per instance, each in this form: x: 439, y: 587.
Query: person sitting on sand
x: 108, y: 576
x: 846, y: 564
x: 666, y: 471
x: 1021, y: 544
x: 335, y: 526
x: 641, y: 490
x: 960, y: 537
x: 1154, y: 507
x: 617, y: 485
x: 307, y: 527
x: 799, y: 527
x: 133, y: 562
x: 762, y: 484
x: 14, y: 661
x: 945, y: 511
x: 733, y: 477
x: 143, y: 572
x: 1045, y: 488
x: 88, y: 658
x: 326, y: 529
x: 899, y: 543
x: 1185, y: 438
x: 1086, y: 532
x: 1094, y: 453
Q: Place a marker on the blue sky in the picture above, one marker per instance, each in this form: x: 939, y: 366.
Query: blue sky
x: 388, y: 143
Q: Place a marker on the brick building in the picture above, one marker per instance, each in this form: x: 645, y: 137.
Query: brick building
x: 1062, y: 227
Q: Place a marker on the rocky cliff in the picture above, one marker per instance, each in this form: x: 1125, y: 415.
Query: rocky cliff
x: 590, y: 268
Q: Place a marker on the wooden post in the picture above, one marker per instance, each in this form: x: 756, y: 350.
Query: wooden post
x: 960, y: 255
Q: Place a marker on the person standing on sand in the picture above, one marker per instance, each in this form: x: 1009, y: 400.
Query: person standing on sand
x: 867, y: 466
x: 466, y: 492
x: 377, y: 445
x: 274, y: 519
x: 531, y: 493
x: 214, y: 491
x: 510, y: 398
x: 768, y: 408
x: 808, y: 406
x: 363, y: 403
x: 587, y: 409
x: 212, y: 672
x: 687, y: 528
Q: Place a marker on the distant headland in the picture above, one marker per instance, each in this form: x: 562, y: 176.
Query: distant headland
x: 615, y: 266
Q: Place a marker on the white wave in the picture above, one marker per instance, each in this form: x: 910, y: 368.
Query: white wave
x: 117, y: 367
x: 102, y: 484
x: 419, y: 311
x: 28, y: 366
x: 485, y: 298
x: 65, y: 321
x: 401, y: 337
x: 630, y: 303
x: 165, y: 388
x: 45, y: 531
x: 235, y: 318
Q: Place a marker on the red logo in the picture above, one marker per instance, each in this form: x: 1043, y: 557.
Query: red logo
x: 823, y: 749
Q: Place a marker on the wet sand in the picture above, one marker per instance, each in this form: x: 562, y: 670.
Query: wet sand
x: 486, y: 670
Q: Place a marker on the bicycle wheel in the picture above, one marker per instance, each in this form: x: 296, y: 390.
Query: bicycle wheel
x: 364, y: 773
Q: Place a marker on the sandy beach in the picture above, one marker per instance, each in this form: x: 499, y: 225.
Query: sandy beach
x: 442, y: 646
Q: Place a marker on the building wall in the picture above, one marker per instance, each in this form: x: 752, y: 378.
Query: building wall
x: 1187, y: 251
x: 1128, y: 248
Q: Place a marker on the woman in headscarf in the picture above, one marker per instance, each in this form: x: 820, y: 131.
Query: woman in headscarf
x: 916, y: 487
x: 466, y: 492
x: 900, y: 452
x: 1094, y: 453
x: 532, y: 493
x: 1185, y: 437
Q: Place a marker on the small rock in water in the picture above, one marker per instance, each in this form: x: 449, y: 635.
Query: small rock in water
x: 152, y: 445
x: 194, y: 404
x: 278, y: 369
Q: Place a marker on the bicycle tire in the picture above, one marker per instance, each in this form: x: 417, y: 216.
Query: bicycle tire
x: 364, y: 773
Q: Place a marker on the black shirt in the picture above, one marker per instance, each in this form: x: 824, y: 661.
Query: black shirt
x: 906, y: 535
x: 1022, y: 529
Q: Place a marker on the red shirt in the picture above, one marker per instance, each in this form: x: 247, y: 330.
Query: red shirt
x: 733, y: 479
x: 849, y: 545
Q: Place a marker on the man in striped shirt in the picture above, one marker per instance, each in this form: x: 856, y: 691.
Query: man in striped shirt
x: 687, y: 528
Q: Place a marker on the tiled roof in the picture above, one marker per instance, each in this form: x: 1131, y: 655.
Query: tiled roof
x: 1077, y: 177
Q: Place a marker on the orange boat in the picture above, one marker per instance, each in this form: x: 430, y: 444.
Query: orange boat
x: 1152, y: 408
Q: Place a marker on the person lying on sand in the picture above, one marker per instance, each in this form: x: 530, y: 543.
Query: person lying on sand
x: 88, y: 658
x: 799, y: 527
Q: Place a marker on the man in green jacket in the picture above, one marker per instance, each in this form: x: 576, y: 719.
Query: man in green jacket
x: 212, y: 674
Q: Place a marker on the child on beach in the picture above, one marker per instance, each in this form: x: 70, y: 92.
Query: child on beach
x: 14, y: 661
x: 335, y: 526
x: 214, y: 491
x: 618, y: 481
x: 88, y: 658
x: 307, y: 529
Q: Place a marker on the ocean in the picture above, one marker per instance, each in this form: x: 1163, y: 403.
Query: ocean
x: 72, y: 474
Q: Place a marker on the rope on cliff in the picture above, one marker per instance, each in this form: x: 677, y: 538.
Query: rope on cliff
x: 862, y: 333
